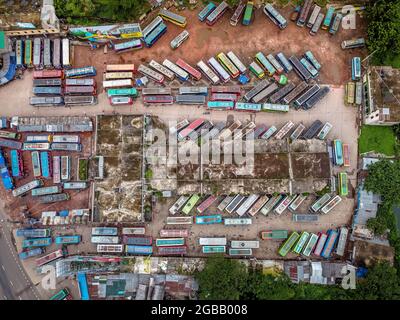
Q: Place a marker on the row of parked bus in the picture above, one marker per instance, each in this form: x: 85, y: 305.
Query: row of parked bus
x: 354, y: 93
x: 322, y: 244
x: 250, y: 205
x: 77, y: 89
x: 43, y: 53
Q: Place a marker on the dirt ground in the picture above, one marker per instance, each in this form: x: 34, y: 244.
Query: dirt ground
x: 206, y: 41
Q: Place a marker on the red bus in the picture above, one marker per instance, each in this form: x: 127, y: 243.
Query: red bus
x: 206, y: 204
x: 43, y: 74
x: 346, y: 155
x: 226, y: 89
x: 158, y: 99
x: 189, y: 69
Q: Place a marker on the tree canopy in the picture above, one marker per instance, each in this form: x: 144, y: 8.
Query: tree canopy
x: 383, y: 28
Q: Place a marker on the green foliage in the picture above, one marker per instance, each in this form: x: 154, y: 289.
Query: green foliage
x: 378, y: 139
x: 221, y: 279
x: 92, y: 11
x: 148, y: 174
x: 383, y: 28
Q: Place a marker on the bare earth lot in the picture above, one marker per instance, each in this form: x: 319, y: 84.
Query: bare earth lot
x: 204, y: 42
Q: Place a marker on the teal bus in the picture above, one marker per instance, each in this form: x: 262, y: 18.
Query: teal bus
x: 248, y: 13
x: 61, y: 295
x: 75, y: 239
x: 240, y: 252
x: 131, y: 92
x: 170, y: 242
x: 310, y: 244
x: 328, y: 18
x: 301, y: 242
x: 262, y: 60
x: 190, y: 204
x: 38, y: 242
x: 288, y: 244
x: 208, y: 219
x: 214, y: 249
x: 203, y: 14
x: 220, y: 105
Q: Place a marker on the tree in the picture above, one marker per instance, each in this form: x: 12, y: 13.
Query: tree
x: 383, y: 28
x: 221, y: 279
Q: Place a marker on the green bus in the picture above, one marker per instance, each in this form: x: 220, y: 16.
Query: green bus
x: 132, y: 92
x: 248, y: 13
x: 61, y: 295
x: 256, y: 70
x: 310, y: 244
x: 191, y: 203
x: 343, y: 190
x: 214, y: 249
x: 288, y: 244
x: 302, y: 241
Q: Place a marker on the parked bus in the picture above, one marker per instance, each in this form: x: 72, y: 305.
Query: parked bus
x: 246, y: 205
x: 268, y: 134
x: 105, y: 239
x: 353, y: 43
x: 156, y: 91
x: 61, y: 295
x: 65, y: 168
x: 151, y: 26
x: 310, y: 68
x: 17, y: 166
x: 9, y: 135
x: 179, y: 220
x: 328, y: 18
x: 137, y: 240
x: 80, y: 90
x: 118, y: 75
x: 45, y: 191
x: 108, y: 84
x: 240, y: 252
x: 76, y: 239
x: 265, y: 93
x: 213, y: 219
x: 356, y: 69
x: 173, y: 17
x: 52, y: 82
x: 227, y: 89
x: 37, y: 242
x: 224, y: 97
x: 104, y: 231
x: 228, y: 65
x: 237, y: 14
x: 28, y: 50
x: 33, y: 233
x: 178, y: 204
x: 316, y: 97
x: 346, y: 155
x: 37, y: 172
x: 45, y: 74
x: 214, y: 16
x: 120, y: 68
x: 320, y: 244
x: 183, y: 134
x: 338, y: 152
x: 297, y: 202
x: 37, y: 53
x: 341, y: 245
x: 174, y: 233
x: 172, y: 251
x: 212, y: 241
x: 179, y: 39
x: 301, y: 242
x: 161, y: 69
x: 77, y: 185
x: 279, y: 69
x: 359, y: 93
x: 203, y: 14
x: 189, y: 69
x: 274, y: 235
x: 256, y: 70
x: 179, y: 72
x: 284, y: 203
x: 110, y: 248
x: 156, y: 34
x: 245, y: 244
x: 190, y: 204
x: 309, y: 247
x: 262, y: 60
x: 128, y: 46
x: 213, y: 249
x: 275, y: 16
x: 133, y: 231
x: 46, y: 101
x: 331, y: 204
x: 89, y: 71
x: 206, y: 204
x: 317, y: 24
x: 317, y: 205
x: 131, y: 92
x: 256, y: 89
x: 299, y: 68
x: 49, y: 258
x: 19, y: 53
x: 303, y: 98
x: 57, y: 53
x: 236, y: 62
x: 305, y: 9
x: 343, y: 189
x: 66, y: 59
x: 248, y: 13
x: 313, y: 16
x: 329, y: 244
x: 284, y: 130
x: 237, y: 221
x: 193, y: 91
x: 288, y: 244
x: 138, y: 250
x: 220, y: 105
x: 208, y: 72
x: 234, y: 203
x: 297, y: 132
x: 284, y: 62
x: 258, y: 204
x: 335, y: 24
x: 56, y: 169
x: 324, y: 131
x: 52, y: 198
x: 170, y: 242
x: 313, y: 130
x: 47, y: 91
x: 310, y: 57
x: 216, y: 66
x: 244, y: 106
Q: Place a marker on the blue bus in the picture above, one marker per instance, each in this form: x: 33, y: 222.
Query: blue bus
x: 44, y: 162
x: 208, y: 219
x: 5, y: 174
x: 131, y: 249
x: 328, y: 18
x: 68, y: 239
x: 30, y: 253
x: 203, y: 14
x: 16, y: 163
x: 220, y: 105
x: 81, y: 72
x: 155, y: 34
x: 356, y: 69
x: 329, y: 244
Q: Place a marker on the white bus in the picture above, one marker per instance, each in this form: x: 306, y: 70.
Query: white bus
x: 151, y: 73
x: 163, y: 70
x: 245, y: 244
x: 178, y: 204
x: 216, y: 66
x: 56, y: 169
x: 180, y: 73
x: 27, y: 187
x: 284, y: 130
x: 237, y: 221
x: 66, y: 60
x: 133, y: 231
x: 66, y: 138
x: 212, y: 241
x: 110, y: 248
x: 117, y: 83
x: 284, y: 204
x: 105, y: 239
x: 179, y: 220
x: 324, y: 131
x: 175, y: 43
x: 313, y: 16
x: 247, y: 204
x: 297, y: 202
x: 331, y: 204
x: 235, y: 60
x: 208, y: 72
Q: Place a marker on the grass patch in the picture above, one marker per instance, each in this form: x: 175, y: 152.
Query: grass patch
x: 377, y: 139
x: 83, y: 169
x: 393, y: 61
